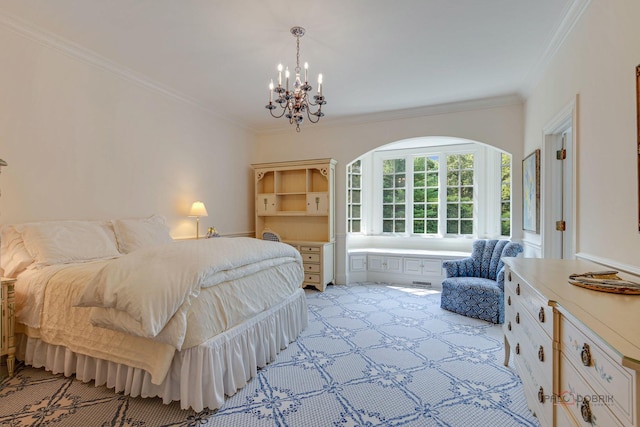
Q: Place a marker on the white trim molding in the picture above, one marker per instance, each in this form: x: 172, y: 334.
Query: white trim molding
x: 609, y: 263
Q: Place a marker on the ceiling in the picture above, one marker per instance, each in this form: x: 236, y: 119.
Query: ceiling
x: 375, y: 55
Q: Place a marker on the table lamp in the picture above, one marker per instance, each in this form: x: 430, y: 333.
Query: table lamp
x: 197, y: 210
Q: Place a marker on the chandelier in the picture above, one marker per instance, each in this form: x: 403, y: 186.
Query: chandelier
x: 295, y: 103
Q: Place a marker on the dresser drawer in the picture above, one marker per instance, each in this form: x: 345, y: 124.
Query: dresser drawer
x: 563, y: 417
x: 587, y: 405
x: 538, y: 391
x: 537, y: 306
x: 313, y: 249
x: 607, y: 377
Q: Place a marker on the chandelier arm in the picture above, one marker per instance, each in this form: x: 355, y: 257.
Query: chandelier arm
x: 309, y: 114
x: 284, y: 110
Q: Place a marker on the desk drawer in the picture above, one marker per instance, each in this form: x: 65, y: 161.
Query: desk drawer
x: 307, y: 257
x: 312, y: 268
x: 312, y: 278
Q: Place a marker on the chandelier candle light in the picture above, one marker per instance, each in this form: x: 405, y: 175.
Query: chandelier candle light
x: 295, y: 103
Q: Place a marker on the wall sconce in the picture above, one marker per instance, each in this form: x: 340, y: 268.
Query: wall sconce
x: 197, y: 210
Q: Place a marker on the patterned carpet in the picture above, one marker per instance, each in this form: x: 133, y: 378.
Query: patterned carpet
x: 373, y: 355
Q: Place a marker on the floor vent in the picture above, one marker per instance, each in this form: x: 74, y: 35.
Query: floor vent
x: 422, y: 283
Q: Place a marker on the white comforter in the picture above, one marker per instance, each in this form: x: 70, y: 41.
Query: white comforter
x: 148, y: 292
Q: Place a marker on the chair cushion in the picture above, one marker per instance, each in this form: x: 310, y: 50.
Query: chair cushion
x: 474, y: 297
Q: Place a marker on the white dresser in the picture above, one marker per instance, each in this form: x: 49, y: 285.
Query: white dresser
x: 577, y: 351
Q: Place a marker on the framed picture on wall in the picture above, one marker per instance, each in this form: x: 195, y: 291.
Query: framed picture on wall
x: 531, y: 192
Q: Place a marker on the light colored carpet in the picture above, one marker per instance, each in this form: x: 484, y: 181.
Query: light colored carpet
x: 373, y: 355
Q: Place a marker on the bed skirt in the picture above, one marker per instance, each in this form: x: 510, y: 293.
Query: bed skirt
x: 199, y: 377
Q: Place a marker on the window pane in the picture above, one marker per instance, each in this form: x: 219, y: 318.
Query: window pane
x: 466, y: 227
x: 418, y: 226
x: 399, y: 196
x: 432, y: 211
x: 355, y: 196
x: 452, y: 210
x: 466, y: 194
x: 432, y: 227
x: 432, y: 195
x: 505, y: 228
x: 387, y: 181
x: 452, y: 227
x: 418, y: 163
x: 387, y: 166
x: 387, y: 211
x: 452, y: 178
x: 466, y: 210
x: 355, y: 167
x: 418, y: 180
x: 355, y: 181
x: 453, y: 194
x: 466, y: 161
x: 355, y: 213
x: 505, y: 195
x: 399, y: 211
x: 399, y: 227
x: 418, y: 211
x: 387, y: 196
x: 399, y: 165
x: 418, y: 195
x: 432, y: 179
x: 466, y: 177
x: 400, y: 181
x: 387, y: 226
x: 432, y: 163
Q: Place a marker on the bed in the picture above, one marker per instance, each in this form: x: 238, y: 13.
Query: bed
x: 121, y: 303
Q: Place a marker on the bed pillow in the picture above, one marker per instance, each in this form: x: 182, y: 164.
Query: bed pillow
x: 14, y: 256
x: 137, y: 233
x: 63, y: 242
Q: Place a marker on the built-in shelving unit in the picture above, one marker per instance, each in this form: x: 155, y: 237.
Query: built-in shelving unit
x: 296, y: 200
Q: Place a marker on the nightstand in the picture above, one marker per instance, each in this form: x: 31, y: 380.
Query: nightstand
x: 7, y: 322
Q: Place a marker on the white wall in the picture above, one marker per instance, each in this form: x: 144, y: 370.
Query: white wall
x: 87, y: 143
x: 500, y: 126
x: 597, y: 62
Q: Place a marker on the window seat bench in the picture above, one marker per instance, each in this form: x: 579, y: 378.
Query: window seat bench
x: 401, y: 266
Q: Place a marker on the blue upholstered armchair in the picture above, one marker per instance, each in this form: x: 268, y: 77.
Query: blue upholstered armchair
x: 474, y: 286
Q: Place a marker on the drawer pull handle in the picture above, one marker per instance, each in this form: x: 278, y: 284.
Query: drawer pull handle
x: 509, y: 276
x: 509, y: 325
x: 518, y: 348
x: 509, y: 300
x: 585, y: 354
x: 541, y: 395
x: 541, y: 354
x: 518, y: 318
x: 541, y: 315
x: 518, y: 289
x: 585, y: 410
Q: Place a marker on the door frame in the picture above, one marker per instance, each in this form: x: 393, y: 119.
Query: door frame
x: 566, y: 119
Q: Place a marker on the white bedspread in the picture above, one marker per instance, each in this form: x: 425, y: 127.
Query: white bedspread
x: 148, y: 292
x: 245, y: 284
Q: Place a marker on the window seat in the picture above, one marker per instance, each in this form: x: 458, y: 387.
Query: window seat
x: 401, y: 266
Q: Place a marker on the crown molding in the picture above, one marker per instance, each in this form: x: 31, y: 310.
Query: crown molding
x: 90, y: 57
x: 408, y: 113
x: 573, y: 13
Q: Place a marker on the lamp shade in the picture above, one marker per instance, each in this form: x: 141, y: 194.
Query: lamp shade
x: 198, y: 209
